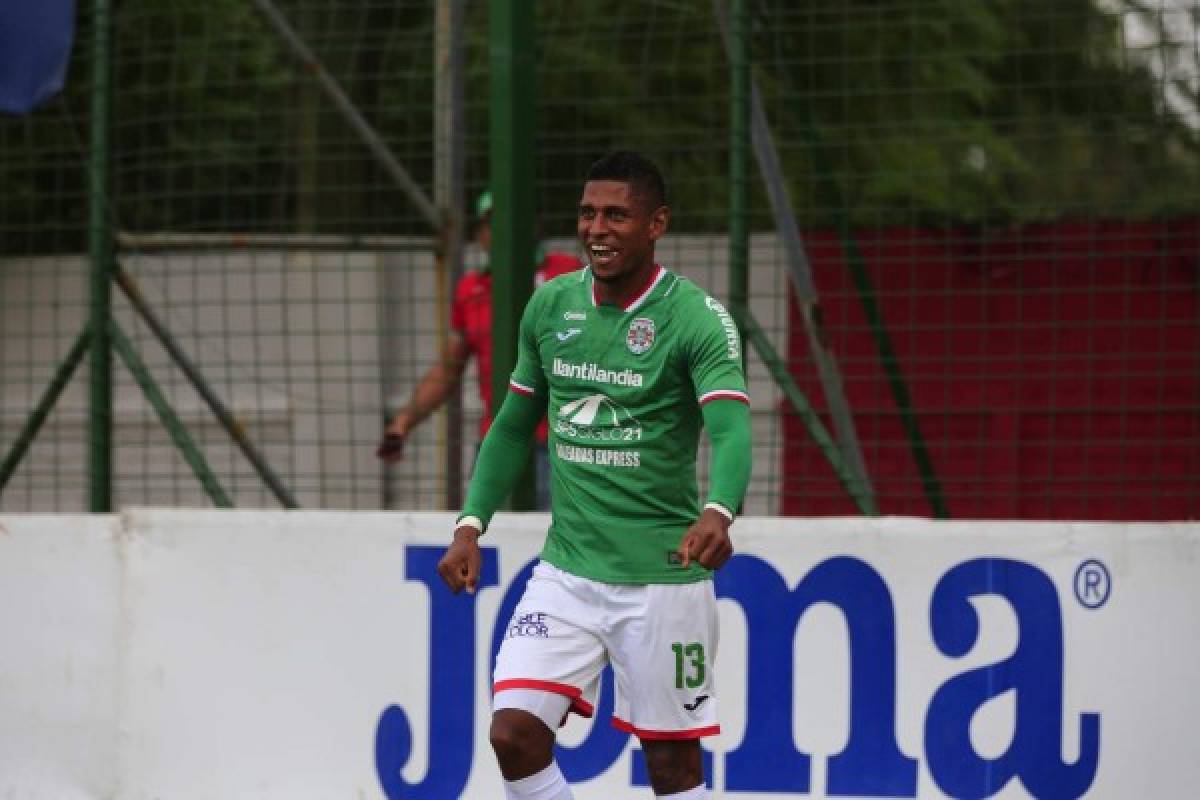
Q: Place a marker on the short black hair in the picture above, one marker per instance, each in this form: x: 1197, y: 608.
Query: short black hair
x: 636, y: 170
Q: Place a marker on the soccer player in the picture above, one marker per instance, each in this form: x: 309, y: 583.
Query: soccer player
x: 629, y: 360
x: 471, y: 335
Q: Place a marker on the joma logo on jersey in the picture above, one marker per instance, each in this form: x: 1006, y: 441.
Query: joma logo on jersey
x: 595, y: 373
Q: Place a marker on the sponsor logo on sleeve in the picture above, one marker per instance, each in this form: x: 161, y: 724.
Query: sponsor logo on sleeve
x: 733, y: 343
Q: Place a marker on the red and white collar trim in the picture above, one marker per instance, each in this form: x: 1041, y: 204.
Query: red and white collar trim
x: 641, y: 298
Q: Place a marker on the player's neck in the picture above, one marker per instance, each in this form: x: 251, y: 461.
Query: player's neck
x: 624, y: 290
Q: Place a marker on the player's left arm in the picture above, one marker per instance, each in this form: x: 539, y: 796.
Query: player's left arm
x: 715, y: 365
x: 707, y: 540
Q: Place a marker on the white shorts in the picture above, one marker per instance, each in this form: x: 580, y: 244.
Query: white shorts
x: 661, y: 640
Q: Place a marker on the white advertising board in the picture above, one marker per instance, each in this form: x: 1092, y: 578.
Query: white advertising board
x: 202, y: 654
x: 60, y: 606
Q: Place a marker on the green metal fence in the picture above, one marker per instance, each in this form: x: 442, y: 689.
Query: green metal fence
x: 276, y: 195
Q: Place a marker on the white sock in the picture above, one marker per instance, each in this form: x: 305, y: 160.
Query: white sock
x: 549, y: 784
x: 695, y: 793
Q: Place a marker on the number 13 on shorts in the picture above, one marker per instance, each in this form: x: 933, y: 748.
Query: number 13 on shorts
x: 690, y: 670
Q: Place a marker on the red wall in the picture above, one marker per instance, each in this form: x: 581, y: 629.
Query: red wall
x: 1055, y: 370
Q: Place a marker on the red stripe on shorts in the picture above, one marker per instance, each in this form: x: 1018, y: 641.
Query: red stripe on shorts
x: 580, y: 706
x: 641, y: 733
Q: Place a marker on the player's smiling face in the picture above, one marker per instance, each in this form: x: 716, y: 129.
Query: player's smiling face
x: 618, y: 232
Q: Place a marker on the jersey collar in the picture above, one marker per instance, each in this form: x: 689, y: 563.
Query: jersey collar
x: 641, y: 297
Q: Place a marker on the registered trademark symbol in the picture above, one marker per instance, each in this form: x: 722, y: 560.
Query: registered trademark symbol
x: 1093, y: 584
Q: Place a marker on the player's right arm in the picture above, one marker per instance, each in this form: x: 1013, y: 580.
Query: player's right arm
x: 504, y: 450
x: 497, y: 470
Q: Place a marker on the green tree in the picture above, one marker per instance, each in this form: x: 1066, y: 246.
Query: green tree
x: 884, y: 112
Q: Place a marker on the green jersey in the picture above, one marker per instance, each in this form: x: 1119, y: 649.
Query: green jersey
x: 623, y: 389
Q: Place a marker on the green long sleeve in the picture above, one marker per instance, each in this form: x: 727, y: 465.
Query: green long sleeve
x: 504, y: 452
x: 728, y: 426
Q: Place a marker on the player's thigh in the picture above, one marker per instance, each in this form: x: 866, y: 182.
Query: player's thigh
x: 674, y: 765
x: 664, y: 664
x: 550, y: 645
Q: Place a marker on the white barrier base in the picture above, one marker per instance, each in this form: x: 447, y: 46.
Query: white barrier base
x: 202, y: 654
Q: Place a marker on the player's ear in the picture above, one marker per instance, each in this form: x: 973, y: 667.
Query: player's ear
x: 659, y: 221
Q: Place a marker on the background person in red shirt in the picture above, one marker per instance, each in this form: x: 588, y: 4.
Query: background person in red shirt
x: 471, y: 335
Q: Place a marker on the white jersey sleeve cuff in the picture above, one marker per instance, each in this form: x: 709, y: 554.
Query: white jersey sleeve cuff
x: 720, y: 509
x: 470, y: 522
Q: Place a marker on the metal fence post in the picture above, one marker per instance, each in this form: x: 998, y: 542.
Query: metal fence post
x: 100, y: 251
x: 512, y: 125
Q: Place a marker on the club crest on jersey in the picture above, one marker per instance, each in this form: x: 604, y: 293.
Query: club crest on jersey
x: 640, y: 336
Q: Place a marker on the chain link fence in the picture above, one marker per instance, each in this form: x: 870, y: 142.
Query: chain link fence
x: 974, y: 243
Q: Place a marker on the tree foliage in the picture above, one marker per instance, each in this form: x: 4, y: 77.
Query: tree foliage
x: 883, y: 111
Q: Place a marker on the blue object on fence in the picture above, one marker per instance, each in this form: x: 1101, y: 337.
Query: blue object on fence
x: 35, y: 47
